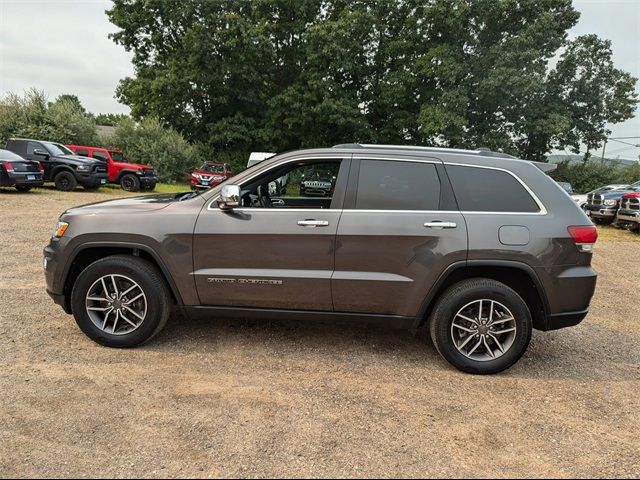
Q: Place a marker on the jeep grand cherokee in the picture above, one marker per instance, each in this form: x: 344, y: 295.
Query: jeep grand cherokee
x: 479, y: 246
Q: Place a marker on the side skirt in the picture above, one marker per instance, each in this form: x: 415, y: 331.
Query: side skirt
x: 388, y: 321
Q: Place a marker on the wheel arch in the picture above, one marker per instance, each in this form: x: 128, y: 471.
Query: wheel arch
x: 88, y: 253
x: 517, y: 275
x: 61, y: 168
x: 122, y: 173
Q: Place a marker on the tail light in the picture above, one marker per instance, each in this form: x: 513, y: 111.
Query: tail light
x: 40, y: 167
x: 8, y: 166
x: 584, y: 236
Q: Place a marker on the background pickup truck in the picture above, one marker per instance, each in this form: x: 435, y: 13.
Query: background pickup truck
x: 629, y: 212
x: 60, y: 165
x: 130, y: 176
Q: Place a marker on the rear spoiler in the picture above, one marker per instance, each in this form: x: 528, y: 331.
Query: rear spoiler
x: 545, y: 167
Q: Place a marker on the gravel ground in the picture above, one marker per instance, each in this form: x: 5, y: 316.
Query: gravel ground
x: 248, y: 399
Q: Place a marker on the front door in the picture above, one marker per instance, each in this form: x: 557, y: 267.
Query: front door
x: 398, y: 232
x: 277, y: 249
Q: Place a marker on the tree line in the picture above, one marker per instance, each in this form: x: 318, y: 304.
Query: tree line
x: 279, y: 75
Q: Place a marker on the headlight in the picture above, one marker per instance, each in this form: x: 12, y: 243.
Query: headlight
x: 60, y: 229
x: 611, y: 203
x: 139, y: 172
x: 83, y: 168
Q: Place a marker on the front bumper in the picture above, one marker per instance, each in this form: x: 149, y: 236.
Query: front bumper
x: 600, y: 211
x: 147, y: 181
x: 92, y: 179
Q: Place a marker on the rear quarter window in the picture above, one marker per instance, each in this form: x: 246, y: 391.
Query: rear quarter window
x: 480, y: 189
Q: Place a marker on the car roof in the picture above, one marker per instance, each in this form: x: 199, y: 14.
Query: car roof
x: 480, y: 157
x: 9, y: 155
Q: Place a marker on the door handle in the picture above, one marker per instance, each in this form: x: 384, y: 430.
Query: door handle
x: 313, y: 223
x: 438, y: 224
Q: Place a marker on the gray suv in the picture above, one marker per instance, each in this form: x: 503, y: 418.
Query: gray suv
x: 479, y: 246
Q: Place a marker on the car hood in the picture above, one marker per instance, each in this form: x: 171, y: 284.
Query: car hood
x: 77, y: 160
x: 616, y: 194
x: 132, y: 204
x: 203, y: 172
x: 133, y: 165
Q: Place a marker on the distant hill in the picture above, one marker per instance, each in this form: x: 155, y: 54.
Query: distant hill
x: 561, y: 157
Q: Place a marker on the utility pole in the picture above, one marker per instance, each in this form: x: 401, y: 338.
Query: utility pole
x: 604, y: 146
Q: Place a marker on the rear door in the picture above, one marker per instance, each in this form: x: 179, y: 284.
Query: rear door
x: 399, y: 230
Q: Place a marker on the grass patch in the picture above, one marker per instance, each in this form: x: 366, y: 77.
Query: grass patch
x: 160, y: 188
x: 609, y: 233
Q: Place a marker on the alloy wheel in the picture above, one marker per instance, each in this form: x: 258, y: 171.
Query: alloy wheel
x: 483, y: 330
x: 116, y: 304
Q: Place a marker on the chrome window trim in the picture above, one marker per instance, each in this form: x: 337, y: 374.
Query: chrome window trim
x: 542, y: 211
x: 276, y: 165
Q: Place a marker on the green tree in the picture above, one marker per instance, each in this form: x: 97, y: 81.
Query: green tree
x: 32, y: 116
x: 592, y: 91
x: 110, y: 119
x: 275, y: 74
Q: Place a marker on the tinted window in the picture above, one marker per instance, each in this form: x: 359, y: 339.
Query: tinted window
x: 100, y: 155
x: 83, y: 153
x: 390, y: 185
x: 486, y: 190
x: 31, y: 146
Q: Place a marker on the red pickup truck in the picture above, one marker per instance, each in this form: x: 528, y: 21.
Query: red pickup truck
x: 131, y: 176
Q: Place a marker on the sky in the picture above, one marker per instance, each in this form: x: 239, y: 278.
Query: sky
x: 62, y: 46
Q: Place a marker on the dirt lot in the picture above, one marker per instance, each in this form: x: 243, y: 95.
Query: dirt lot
x: 232, y: 398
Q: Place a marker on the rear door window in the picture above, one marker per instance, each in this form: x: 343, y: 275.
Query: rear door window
x: 100, y: 155
x: 480, y: 189
x: 397, y: 185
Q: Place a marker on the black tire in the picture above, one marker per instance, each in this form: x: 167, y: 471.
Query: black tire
x: 23, y: 188
x: 462, y: 294
x: 130, y: 183
x: 65, y: 181
x: 151, y: 283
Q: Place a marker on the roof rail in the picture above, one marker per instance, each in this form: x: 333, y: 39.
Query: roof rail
x: 479, y: 151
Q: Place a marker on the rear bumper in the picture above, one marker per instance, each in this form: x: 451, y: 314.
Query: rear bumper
x: 22, y: 179
x: 569, y: 291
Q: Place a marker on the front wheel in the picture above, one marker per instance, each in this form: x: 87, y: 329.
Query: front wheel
x: 481, y: 326
x: 120, y: 301
x: 65, y: 181
x: 130, y: 183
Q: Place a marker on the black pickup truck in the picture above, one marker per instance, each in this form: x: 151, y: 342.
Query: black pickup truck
x: 60, y: 164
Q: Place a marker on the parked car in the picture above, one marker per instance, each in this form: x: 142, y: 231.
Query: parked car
x: 566, y: 186
x: 581, y: 200
x: 629, y: 212
x: 478, y: 245
x: 210, y: 174
x: 603, y: 207
x: 318, y: 181
x: 60, y: 164
x: 20, y: 173
x: 130, y: 176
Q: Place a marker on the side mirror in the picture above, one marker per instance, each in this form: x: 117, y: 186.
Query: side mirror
x: 229, y: 197
x: 42, y: 153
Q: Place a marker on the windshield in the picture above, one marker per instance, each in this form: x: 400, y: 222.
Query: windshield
x: 117, y: 156
x: 212, y: 168
x: 635, y: 186
x: 57, y: 149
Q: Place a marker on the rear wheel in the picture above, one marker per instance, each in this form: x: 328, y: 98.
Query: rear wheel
x: 23, y: 188
x: 130, y: 183
x: 120, y: 301
x: 481, y: 326
x: 65, y: 181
